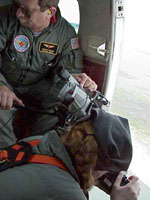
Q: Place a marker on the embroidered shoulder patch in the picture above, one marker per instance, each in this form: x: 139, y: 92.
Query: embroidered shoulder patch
x: 75, y: 43
x: 21, y: 43
x: 47, y: 47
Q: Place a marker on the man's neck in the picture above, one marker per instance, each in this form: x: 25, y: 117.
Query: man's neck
x: 36, y: 34
x: 40, y: 29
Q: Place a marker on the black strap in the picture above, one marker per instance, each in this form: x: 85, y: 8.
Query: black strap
x: 17, y: 155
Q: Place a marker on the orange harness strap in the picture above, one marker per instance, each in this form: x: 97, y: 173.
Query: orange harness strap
x: 45, y: 159
x: 17, y: 154
x: 33, y: 142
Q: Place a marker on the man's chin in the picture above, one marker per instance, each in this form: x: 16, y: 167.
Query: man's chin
x: 23, y: 22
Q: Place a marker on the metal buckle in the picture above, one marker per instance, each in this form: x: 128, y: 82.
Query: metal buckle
x: 2, y: 161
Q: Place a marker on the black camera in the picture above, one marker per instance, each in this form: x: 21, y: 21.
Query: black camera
x: 107, y: 180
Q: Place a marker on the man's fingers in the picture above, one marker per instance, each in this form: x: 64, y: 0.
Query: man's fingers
x: 9, y: 103
x: 90, y: 85
x: 85, y: 81
x: 7, y: 98
x: 3, y: 101
x: 81, y: 78
x: 18, y: 101
x: 88, y: 82
x: 93, y: 86
x: 77, y: 78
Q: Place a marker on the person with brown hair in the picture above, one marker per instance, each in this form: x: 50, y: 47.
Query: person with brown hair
x: 61, y: 165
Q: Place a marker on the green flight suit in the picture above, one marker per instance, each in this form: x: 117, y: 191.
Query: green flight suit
x: 42, y: 181
x: 27, y: 64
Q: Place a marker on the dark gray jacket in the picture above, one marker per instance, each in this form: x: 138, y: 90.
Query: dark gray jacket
x: 50, y: 144
x: 42, y: 181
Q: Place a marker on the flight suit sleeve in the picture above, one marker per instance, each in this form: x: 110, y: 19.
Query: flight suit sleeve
x: 3, y: 81
x: 71, y: 55
x: 71, y: 59
x: 3, y: 41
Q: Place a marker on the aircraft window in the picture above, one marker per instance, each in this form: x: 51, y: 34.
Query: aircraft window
x: 70, y: 11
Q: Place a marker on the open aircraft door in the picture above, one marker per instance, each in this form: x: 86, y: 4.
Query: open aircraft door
x: 100, y: 33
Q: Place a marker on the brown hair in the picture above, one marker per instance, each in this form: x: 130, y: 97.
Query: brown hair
x: 84, y: 149
x: 45, y: 4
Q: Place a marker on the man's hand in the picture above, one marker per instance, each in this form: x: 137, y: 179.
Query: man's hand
x: 130, y: 191
x: 85, y: 81
x: 7, y: 98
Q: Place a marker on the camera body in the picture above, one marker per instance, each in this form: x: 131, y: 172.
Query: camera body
x: 107, y: 180
x: 77, y: 101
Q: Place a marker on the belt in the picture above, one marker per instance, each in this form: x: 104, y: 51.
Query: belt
x: 21, y: 153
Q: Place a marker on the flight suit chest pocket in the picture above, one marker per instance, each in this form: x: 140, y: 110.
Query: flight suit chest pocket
x: 50, y: 63
x: 9, y: 62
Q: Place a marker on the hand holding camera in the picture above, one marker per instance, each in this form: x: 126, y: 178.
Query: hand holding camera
x: 108, y: 180
x: 125, y: 192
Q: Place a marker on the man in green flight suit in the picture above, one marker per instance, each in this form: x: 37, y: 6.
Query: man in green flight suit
x: 34, y: 40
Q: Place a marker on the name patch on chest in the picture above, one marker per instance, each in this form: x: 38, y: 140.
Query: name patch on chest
x: 47, y: 47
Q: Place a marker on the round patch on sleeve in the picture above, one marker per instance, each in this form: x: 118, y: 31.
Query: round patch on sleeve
x: 21, y: 43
